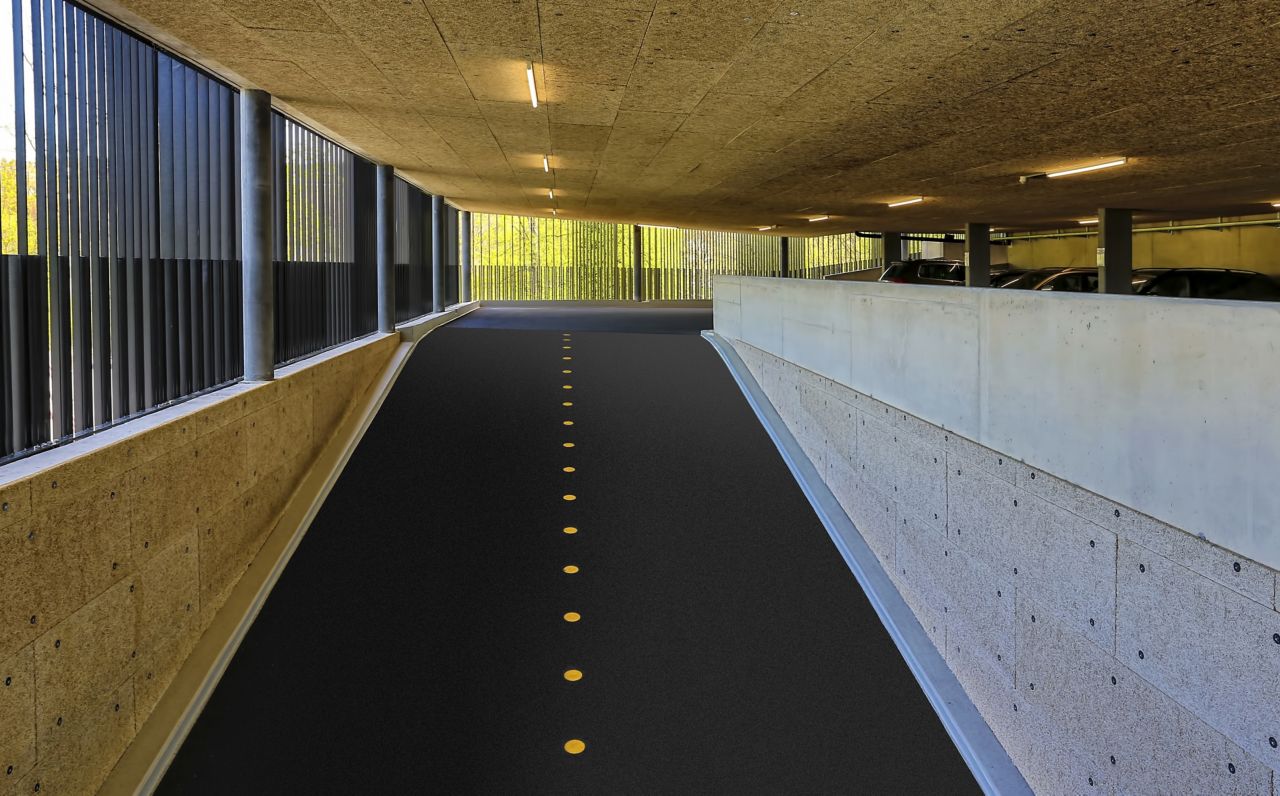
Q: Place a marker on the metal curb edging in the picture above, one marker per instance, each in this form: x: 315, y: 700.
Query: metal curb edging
x: 987, y: 759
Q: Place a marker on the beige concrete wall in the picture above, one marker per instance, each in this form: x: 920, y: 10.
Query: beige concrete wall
x: 1252, y: 248
x: 115, y: 559
x: 1108, y: 652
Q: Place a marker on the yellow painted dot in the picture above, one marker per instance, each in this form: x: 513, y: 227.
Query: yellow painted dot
x: 566, y: 371
x: 572, y: 675
x: 570, y: 469
x: 568, y: 386
x: 568, y: 444
x: 567, y: 359
x: 572, y: 616
x: 567, y: 347
x: 571, y: 569
x: 570, y: 497
x: 567, y: 403
x: 575, y: 747
x: 570, y: 530
x: 568, y: 422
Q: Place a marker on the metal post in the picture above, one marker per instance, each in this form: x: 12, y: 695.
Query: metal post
x: 977, y: 255
x: 637, y: 263
x: 890, y: 247
x: 437, y: 253
x: 784, y: 257
x: 256, y: 180
x: 1115, y: 251
x: 386, y: 236
x: 464, y: 257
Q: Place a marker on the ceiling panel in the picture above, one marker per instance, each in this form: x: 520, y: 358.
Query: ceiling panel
x: 742, y: 113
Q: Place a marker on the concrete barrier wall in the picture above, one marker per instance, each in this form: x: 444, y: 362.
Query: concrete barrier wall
x: 1108, y: 652
x: 116, y: 551
x: 1166, y: 406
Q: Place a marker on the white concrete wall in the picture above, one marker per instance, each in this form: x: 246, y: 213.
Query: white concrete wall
x: 1166, y: 406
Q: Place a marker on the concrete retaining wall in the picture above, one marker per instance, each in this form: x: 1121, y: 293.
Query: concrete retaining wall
x: 116, y: 552
x: 1108, y: 652
x: 1163, y: 405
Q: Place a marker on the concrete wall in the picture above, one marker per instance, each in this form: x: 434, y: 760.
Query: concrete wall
x: 1108, y: 652
x: 1252, y: 248
x: 117, y: 551
x: 1165, y: 406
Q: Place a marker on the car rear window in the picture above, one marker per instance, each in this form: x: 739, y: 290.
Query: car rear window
x: 938, y: 270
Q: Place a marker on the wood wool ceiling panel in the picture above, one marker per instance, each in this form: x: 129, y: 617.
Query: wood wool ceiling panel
x: 735, y: 114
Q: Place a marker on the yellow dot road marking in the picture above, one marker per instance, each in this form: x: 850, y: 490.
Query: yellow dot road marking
x: 570, y: 469
x: 568, y: 386
x: 567, y: 359
x: 570, y: 497
x: 567, y: 403
x: 568, y: 444
x: 575, y: 747
x: 572, y: 616
x: 572, y: 675
x: 570, y: 530
x: 568, y: 422
x: 566, y: 372
x: 571, y: 569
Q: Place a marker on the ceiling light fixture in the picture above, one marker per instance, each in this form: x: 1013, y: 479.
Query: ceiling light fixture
x: 1110, y: 164
x: 766, y: 229
x: 533, y: 88
x: 1088, y: 221
x: 546, y: 164
x: 905, y: 202
x: 818, y: 218
x: 551, y: 194
x: 1275, y: 204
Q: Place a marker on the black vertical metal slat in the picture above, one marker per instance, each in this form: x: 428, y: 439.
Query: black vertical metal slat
x: 226, y: 222
x: 36, y: 276
x: 214, y: 189
x: 167, y: 254
x: 119, y: 269
x: 100, y: 270
x: 181, y: 249
x: 195, y: 268
x: 14, y: 326
x: 152, y: 293
x: 278, y: 217
x: 202, y: 197
x: 131, y: 215
x: 81, y: 315
x: 59, y: 284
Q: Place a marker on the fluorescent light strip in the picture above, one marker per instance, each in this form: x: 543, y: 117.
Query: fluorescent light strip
x: 1088, y: 221
x: 1081, y: 170
x: 766, y: 229
x: 533, y: 89
x: 904, y: 202
x: 546, y: 164
x: 1275, y: 204
x: 818, y: 218
x: 551, y: 194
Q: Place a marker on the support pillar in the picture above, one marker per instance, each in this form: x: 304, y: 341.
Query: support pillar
x: 784, y: 257
x: 386, y: 229
x: 256, y: 184
x: 1115, y: 251
x: 464, y: 257
x: 890, y: 247
x: 637, y: 263
x: 977, y: 255
x: 437, y: 253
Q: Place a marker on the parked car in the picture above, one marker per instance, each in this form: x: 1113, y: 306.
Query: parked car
x: 1071, y: 280
x: 1214, y: 283
x: 1141, y: 276
x: 930, y: 272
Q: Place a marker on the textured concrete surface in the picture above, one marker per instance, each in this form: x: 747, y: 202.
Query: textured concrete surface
x: 1195, y: 712
x: 118, y: 549
x: 1066, y: 383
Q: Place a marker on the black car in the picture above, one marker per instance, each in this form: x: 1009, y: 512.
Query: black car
x: 931, y: 272
x: 1141, y: 276
x: 1212, y: 283
x: 1070, y: 280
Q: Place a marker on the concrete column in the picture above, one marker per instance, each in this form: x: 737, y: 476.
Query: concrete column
x: 464, y: 256
x: 784, y: 257
x: 1115, y: 251
x: 977, y: 255
x: 386, y: 225
x: 256, y: 183
x: 637, y: 263
x: 437, y: 253
x: 890, y: 247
